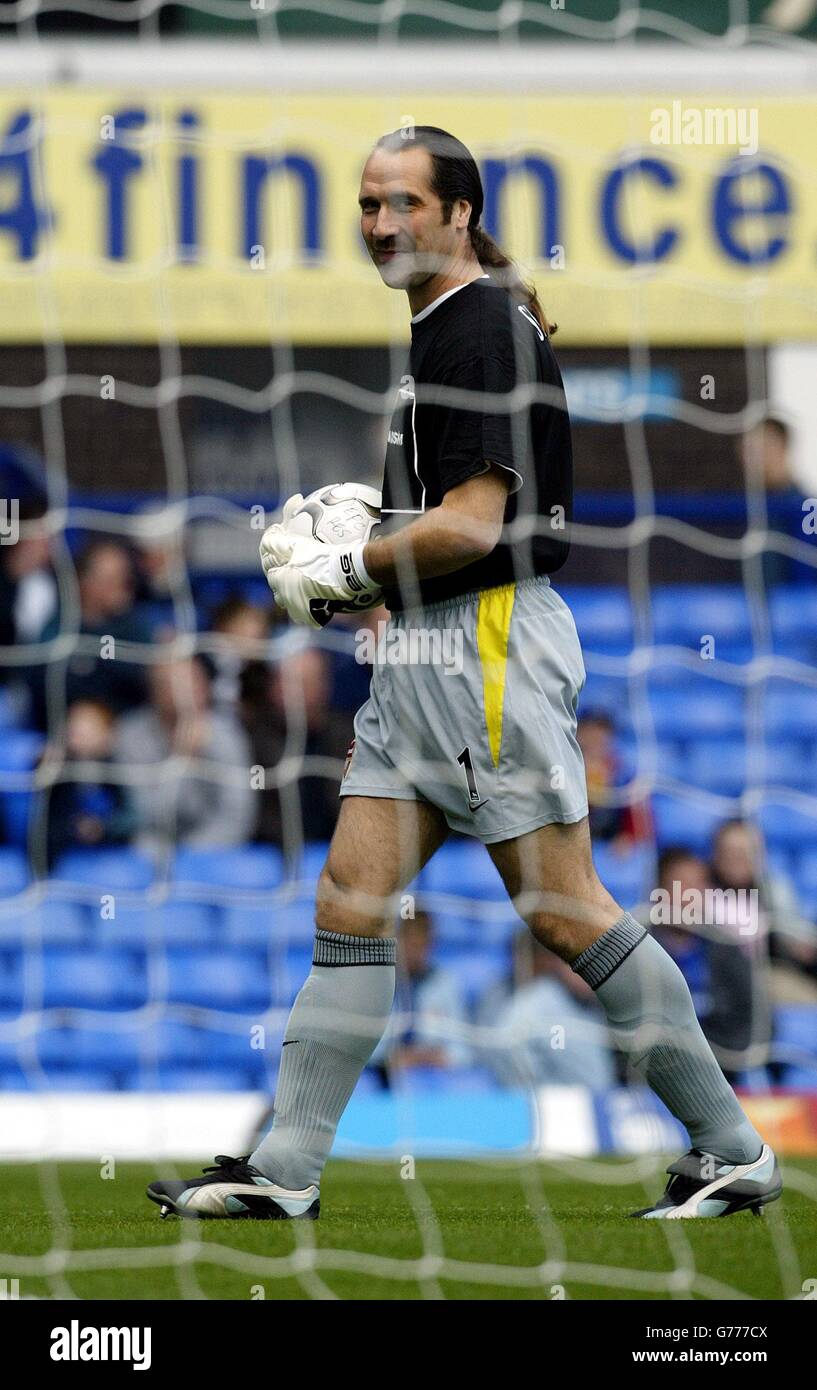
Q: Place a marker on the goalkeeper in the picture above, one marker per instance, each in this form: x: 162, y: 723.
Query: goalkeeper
x: 475, y: 508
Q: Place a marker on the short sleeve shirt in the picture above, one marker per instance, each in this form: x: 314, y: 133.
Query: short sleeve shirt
x: 482, y: 387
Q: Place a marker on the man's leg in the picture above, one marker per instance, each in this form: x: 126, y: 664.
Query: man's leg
x: 342, y: 1010
x: 550, y: 875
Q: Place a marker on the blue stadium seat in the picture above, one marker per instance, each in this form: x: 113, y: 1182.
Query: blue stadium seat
x: 277, y: 924
x: 781, y: 863
x: 9, y: 710
x: 219, y: 979
x: 98, y: 979
x: 682, y: 821
x: 210, y: 590
x: 81, y: 1080
x: 666, y: 760
x: 698, y: 707
x: 471, y: 929
x: 789, y: 710
x: 20, y: 751
x: 754, y: 1082
x: 187, y: 1079
x: 176, y: 921
x: 368, y: 1084
x: 733, y: 653
x: 53, y: 921
x: 684, y: 613
x: 171, y: 1043
x: 16, y: 812
x: 788, y: 827
x: 718, y: 765
x: 85, y: 1048
x: 727, y: 766
x: 243, y: 866
x: 793, y: 613
x: 309, y: 863
x: 603, y: 616
x: 795, y: 1045
x: 161, y: 613
x: 12, y: 981
x: 464, y: 869
x: 296, y: 966
x: 476, y: 969
x: 14, y: 875
x: 800, y: 1078
x: 107, y: 870
x: 629, y: 877
x: 804, y: 873
x: 800, y: 649
x: 612, y: 695
x: 791, y: 764
x: 795, y: 1026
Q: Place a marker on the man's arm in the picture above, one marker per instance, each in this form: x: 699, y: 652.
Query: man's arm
x: 464, y: 528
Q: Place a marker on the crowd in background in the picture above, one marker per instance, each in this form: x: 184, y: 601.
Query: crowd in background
x: 239, y: 736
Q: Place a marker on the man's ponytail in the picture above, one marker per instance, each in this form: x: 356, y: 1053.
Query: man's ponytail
x: 506, y: 273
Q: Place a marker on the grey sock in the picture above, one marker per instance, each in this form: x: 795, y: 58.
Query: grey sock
x: 336, y: 1022
x: 652, y: 1018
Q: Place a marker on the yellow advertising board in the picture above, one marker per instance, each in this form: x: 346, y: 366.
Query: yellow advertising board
x: 130, y: 217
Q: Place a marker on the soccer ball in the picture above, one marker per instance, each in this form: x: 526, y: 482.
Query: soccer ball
x: 337, y: 515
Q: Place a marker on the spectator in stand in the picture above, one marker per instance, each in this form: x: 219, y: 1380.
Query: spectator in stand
x: 719, y: 936
x: 162, y: 575
x: 292, y: 723
x: 28, y: 585
x: 550, y: 1031
x: 240, y: 672
x: 108, y: 620
x: 86, y: 808
x: 428, y: 1008
x: 765, y: 458
x: 738, y: 862
x: 189, y: 763
x: 681, y: 872
x: 623, y: 824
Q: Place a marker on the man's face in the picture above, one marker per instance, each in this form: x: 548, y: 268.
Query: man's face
x: 108, y: 582
x: 736, y: 856
x: 688, y: 873
x: 401, y: 220
x: 595, y: 740
x: 764, y: 454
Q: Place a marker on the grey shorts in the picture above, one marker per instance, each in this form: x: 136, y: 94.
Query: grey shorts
x: 473, y: 708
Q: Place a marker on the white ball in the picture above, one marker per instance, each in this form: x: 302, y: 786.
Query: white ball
x: 338, y: 515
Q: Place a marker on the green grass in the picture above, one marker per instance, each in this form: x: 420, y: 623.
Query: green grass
x: 482, y: 1231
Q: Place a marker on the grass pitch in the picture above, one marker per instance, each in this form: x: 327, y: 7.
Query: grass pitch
x: 522, y: 1230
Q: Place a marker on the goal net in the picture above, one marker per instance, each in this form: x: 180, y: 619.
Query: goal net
x: 192, y: 331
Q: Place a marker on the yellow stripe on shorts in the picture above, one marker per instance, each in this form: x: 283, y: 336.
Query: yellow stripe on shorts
x: 493, y: 629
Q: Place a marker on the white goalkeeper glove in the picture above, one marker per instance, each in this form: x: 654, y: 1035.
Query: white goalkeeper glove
x: 276, y: 542
x: 320, y: 580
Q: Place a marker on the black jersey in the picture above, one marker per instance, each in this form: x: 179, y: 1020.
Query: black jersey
x: 479, y: 340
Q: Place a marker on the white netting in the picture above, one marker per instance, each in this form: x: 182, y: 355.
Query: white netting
x: 96, y: 952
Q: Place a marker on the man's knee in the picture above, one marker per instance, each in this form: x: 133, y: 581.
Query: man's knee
x: 567, y: 919
x: 343, y: 906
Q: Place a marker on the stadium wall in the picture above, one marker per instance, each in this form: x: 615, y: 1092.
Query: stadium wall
x: 552, y: 1122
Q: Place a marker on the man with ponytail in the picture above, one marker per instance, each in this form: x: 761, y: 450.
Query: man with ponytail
x: 476, y: 505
